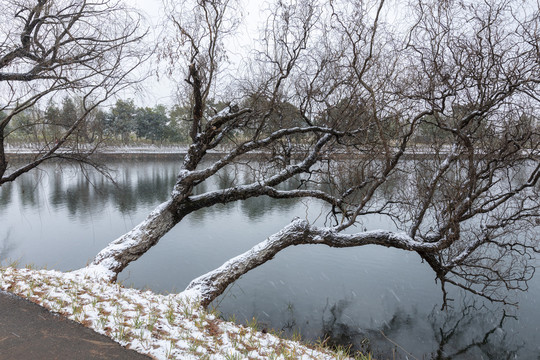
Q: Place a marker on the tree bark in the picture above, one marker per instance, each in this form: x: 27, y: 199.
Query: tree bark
x: 114, y: 258
x: 209, y: 286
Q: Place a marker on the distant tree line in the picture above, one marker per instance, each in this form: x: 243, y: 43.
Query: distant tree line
x: 124, y: 122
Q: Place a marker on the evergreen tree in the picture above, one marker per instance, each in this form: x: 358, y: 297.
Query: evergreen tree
x: 121, y: 118
x: 150, y: 123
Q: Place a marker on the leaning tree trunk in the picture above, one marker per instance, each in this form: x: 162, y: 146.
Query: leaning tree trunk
x: 209, y: 286
x: 110, y: 261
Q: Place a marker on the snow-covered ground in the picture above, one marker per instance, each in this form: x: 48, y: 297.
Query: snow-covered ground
x: 163, y: 326
x: 30, y: 148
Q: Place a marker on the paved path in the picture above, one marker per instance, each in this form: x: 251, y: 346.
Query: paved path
x: 28, y: 331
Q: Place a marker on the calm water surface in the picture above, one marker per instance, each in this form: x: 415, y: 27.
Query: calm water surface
x: 382, y: 300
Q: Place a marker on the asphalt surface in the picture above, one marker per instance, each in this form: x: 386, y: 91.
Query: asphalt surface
x: 28, y: 331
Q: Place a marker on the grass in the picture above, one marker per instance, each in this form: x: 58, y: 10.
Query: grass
x: 164, y: 326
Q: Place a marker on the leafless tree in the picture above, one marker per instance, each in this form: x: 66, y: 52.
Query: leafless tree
x: 56, y: 47
x: 341, y: 90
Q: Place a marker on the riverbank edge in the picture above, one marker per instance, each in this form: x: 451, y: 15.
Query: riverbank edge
x: 25, y: 153
x: 162, y: 326
x: 176, y: 152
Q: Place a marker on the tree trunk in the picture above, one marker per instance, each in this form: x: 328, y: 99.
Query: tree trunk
x: 114, y: 258
x: 209, y: 286
x: 3, y: 159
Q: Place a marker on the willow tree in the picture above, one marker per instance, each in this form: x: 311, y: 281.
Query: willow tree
x: 333, y: 95
x: 50, y: 48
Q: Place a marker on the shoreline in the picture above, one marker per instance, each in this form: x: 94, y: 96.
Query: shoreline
x: 162, y: 326
x: 177, y: 152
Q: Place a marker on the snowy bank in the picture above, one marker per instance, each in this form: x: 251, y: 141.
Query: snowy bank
x: 163, y: 326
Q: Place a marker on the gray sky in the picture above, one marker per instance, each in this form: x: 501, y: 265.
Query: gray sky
x: 162, y: 91
x: 155, y: 92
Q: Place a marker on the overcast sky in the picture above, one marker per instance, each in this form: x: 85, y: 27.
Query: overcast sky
x: 162, y: 91
x: 156, y: 92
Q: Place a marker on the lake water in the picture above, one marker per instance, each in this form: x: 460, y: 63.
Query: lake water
x: 377, y: 299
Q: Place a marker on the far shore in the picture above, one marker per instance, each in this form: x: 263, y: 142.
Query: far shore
x: 27, y: 152
x: 135, y: 152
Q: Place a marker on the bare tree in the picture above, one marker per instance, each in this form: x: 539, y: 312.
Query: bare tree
x: 56, y: 47
x: 341, y: 93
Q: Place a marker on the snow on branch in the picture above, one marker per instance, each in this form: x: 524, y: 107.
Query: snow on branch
x: 209, y: 286
x: 214, y: 283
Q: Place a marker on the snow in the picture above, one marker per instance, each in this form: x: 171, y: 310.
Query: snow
x: 30, y: 148
x: 203, y: 284
x: 99, y: 272
x: 162, y: 326
x: 380, y: 237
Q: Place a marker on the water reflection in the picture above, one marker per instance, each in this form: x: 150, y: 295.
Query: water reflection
x: 84, y: 191
x: 5, y: 195
x: 479, y: 332
x: 468, y: 331
x: 28, y: 187
x: 134, y: 186
x: 258, y: 208
x: 62, y: 219
x: 7, y: 246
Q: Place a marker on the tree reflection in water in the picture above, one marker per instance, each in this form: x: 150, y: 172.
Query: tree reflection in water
x: 6, y: 248
x: 5, y: 195
x: 132, y: 187
x: 468, y: 331
x: 86, y: 191
x: 456, y: 335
